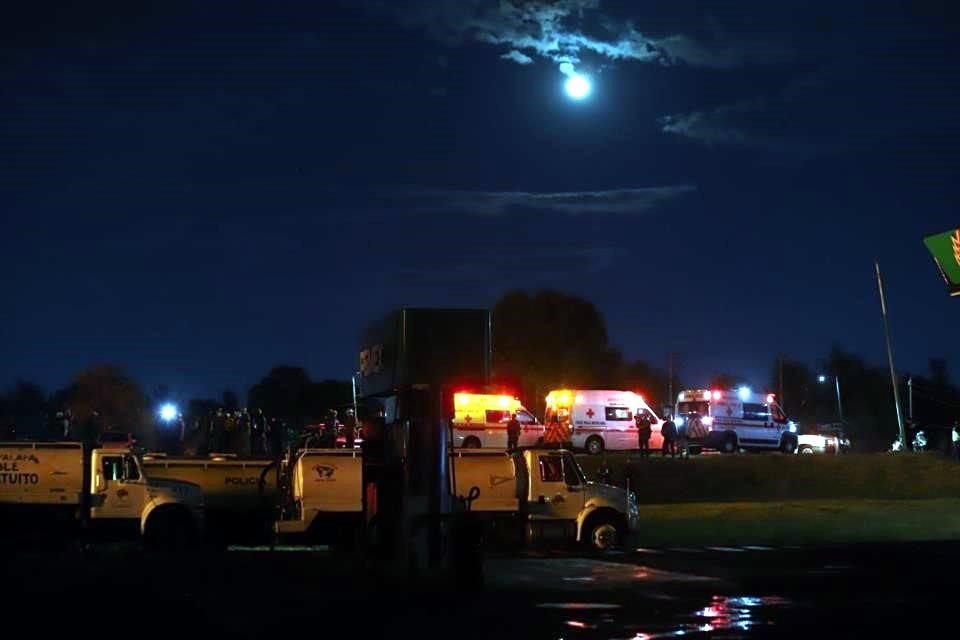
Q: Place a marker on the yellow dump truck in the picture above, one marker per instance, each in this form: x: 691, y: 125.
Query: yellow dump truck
x: 50, y: 489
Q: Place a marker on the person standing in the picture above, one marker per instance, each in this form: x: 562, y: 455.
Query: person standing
x: 258, y: 433
x: 328, y: 439
x: 955, y: 439
x: 644, y: 431
x: 513, y: 432
x: 350, y: 429
x: 669, y: 432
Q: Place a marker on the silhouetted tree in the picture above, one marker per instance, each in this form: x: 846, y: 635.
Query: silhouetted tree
x: 24, y: 406
x: 105, y: 388
x: 550, y: 340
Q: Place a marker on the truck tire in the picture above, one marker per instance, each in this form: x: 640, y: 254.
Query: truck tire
x: 471, y: 442
x: 170, y: 529
x: 729, y: 444
x: 806, y: 450
x: 594, y: 445
x: 604, y: 533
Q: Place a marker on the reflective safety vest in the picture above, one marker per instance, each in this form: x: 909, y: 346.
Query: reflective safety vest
x: 557, y: 432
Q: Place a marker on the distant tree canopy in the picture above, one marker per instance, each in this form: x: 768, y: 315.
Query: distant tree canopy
x: 289, y: 393
x: 107, y: 389
x: 549, y: 340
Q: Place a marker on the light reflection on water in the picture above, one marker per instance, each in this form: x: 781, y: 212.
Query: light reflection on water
x: 721, y: 613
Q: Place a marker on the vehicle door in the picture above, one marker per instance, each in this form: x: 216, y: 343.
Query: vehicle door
x: 118, y: 486
x: 531, y: 431
x: 759, y: 430
x: 656, y: 437
x: 557, y: 486
x: 621, y: 429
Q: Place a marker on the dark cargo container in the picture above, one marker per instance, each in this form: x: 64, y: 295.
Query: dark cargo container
x: 424, y: 346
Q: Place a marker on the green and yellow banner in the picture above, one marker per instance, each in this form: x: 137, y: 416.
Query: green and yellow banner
x: 945, y: 249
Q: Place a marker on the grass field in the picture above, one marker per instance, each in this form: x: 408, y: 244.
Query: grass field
x: 779, y: 478
x: 779, y: 499
x: 812, y: 522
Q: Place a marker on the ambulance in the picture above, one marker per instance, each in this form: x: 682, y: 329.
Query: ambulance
x: 729, y: 420
x: 596, y: 420
x: 480, y: 421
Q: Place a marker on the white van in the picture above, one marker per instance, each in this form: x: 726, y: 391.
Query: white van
x: 480, y: 420
x: 596, y: 420
x: 729, y: 420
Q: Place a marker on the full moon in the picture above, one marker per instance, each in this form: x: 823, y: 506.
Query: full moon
x: 577, y: 86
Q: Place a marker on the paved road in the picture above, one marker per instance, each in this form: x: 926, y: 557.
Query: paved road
x: 639, y: 594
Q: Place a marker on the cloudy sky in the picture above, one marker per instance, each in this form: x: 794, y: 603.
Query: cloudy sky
x: 202, y: 190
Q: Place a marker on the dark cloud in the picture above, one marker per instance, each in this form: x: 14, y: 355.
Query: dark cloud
x: 562, y: 31
x: 571, y: 203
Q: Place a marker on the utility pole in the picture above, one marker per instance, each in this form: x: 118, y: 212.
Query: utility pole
x: 893, y: 373
x: 669, y: 379
x: 836, y: 382
x: 910, y: 397
x: 783, y: 402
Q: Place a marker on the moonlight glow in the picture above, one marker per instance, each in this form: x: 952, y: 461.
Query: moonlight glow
x: 577, y: 86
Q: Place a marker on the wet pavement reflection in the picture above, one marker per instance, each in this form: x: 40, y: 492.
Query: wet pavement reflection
x: 734, y: 616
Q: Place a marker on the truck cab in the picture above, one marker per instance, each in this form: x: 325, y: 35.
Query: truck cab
x: 163, y: 511
x: 549, y: 493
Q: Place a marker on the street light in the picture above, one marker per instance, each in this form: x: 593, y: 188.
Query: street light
x: 836, y: 380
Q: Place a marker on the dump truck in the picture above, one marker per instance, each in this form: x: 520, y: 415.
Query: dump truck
x: 545, y: 493
x: 240, y: 495
x: 540, y: 494
x: 53, y: 489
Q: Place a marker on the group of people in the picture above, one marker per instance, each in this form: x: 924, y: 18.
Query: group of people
x: 674, y: 438
x: 326, y: 434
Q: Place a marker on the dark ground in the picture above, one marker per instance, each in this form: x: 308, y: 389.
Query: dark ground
x: 647, y: 593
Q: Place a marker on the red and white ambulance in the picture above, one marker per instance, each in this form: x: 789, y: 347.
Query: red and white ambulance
x: 480, y: 421
x: 597, y: 419
x: 729, y: 420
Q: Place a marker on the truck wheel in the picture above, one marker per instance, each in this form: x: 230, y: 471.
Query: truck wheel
x: 169, y: 530
x: 604, y: 535
x: 471, y: 443
x: 594, y: 445
x: 729, y: 443
x: 806, y: 450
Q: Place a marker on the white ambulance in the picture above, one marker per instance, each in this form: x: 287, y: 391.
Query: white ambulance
x: 597, y: 419
x: 729, y: 420
x: 480, y: 420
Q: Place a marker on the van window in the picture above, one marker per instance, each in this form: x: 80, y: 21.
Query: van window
x: 752, y: 411
x: 497, y: 415
x: 551, y: 469
x: 648, y: 413
x: 524, y: 417
x: 686, y: 408
x: 619, y: 414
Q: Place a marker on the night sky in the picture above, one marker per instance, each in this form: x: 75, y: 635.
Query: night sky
x: 202, y: 190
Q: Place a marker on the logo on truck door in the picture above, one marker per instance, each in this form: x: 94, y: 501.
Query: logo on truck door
x: 325, y: 472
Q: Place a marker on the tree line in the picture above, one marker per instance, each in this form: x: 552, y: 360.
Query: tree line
x: 542, y: 340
